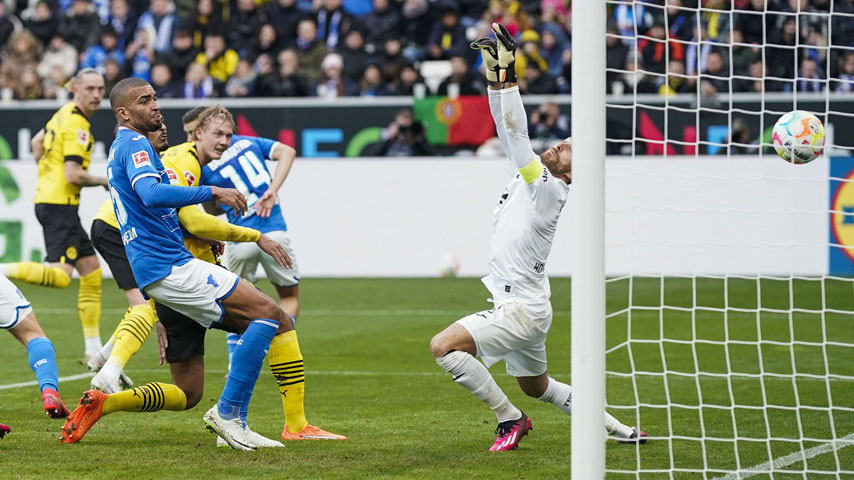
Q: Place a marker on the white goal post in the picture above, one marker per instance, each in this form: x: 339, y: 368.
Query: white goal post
x: 712, y: 282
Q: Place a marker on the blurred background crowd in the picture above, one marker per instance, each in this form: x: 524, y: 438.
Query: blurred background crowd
x: 337, y: 48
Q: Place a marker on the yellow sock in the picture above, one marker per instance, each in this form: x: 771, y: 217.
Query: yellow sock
x: 89, y: 304
x: 150, y: 397
x: 39, y: 274
x: 131, y: 333
x: 286, y: 364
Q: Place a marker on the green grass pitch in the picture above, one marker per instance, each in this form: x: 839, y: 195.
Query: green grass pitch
x: 370, y: 376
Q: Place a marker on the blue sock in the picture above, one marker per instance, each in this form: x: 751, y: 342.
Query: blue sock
x: 244, y: 407
x: 42, y: 360
x: 245, y: 365
x: 231, y: 342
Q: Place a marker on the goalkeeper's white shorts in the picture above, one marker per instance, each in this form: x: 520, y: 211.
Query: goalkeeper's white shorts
x: 514, y: 332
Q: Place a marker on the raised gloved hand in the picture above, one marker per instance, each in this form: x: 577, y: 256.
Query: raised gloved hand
x: 506, y: 54
x: 489, y: 53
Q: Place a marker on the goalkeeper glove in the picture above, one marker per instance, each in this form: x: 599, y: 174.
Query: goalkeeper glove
x: 506, y: 54
x: 489, y: 52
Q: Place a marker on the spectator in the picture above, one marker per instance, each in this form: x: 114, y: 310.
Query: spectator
x: 404, y: 137
x: 371, y: 84
x: 716, y: 72
x: 266, y: 74
x: 310, y: 51
x: 333, y: 23
x: 243, y: 25
x: 23, y: 50
x: 209, y: 18
x: 616, y: 53
x: 220, y: 61
x: 383, y: 23
x: 161, y: 80
x: 653, y: 51
x: 95, y: 55
x: 140, y: 54
x: 716, y: 18
x: 392, y: 60
x: 409, y: 78
x: 537, y: 82
x: 677, y: 82
x: 123, y: 20
x: 53, y: 83
x: 357, y: 8
x: 553, y: 42
x: 419, y: 18
x: 742, y: 55
x: 529, y: 53
x: 547, y: 126
x: 28, y: 87
x: 112, y: 75
x: 332, y: 83
x: 782, y: 59
x: 266, y: 41
x: 846, y: 74
x: 680, y: 22
x: 810, y: 77
x: 448, y: 36
x: 242, y: 83
x: 288, y: 83
x: 284, y: 16
x: 58, y: 55
x: 182, y: 53
x: 354, y: 55
x: 80, y: 26
x: 197, y: 83
x: 634, y: 80
x: 43, y: 24
x: 752, y: 24
x: 466, y: 81
x: 160, y: 16
x: 740, y: 141
x: 627, y: 17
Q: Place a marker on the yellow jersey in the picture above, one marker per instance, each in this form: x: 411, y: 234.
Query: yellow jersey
x: 68, y: 138
x: 106, y: 214
x: 183, y: 168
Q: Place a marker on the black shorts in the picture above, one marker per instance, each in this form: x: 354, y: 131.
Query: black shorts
x: 64, y: 237
x: 108, y: 241
x: 186, y: 337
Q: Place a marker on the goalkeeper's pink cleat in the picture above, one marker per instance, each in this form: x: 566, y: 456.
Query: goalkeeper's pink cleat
x: 4, y: 429
x: 510, y: 433
x: 54, y: 407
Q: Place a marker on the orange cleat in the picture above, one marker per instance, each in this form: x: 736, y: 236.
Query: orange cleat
x: 54, y: 407
x: 88, y: 412
x: 310, y: 432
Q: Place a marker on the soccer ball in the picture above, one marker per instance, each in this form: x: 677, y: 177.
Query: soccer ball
x: 449, y: 266
x: 798, y: 137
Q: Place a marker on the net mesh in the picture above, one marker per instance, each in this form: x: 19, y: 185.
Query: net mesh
x: 730, y: 300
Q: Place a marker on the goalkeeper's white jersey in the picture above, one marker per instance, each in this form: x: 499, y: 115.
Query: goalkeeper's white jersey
x: 523, y: 228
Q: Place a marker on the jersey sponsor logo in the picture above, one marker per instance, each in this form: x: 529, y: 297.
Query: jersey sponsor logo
x: 140, y: 159
x: 191, y: 179
x: 129, y: 235
x: 173, y: 177
x: 83, y: 137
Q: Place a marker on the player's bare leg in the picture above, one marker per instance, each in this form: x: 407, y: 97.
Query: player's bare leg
x: 454, y: 350
x: 289, y: 299
x: 42, y: 359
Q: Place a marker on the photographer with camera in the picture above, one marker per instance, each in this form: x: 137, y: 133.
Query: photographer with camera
x: 548, y: 126
x: 404, y: 137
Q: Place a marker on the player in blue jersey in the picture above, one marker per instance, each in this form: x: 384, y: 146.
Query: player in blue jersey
x: 144, y: 202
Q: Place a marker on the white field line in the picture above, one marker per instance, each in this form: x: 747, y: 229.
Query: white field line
x: 33, y: 382
x: 776, y: 464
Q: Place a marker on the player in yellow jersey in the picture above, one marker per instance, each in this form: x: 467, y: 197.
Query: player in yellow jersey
x: 63, y: 149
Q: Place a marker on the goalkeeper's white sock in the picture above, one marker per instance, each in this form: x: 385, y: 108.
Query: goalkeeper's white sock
x: 473, y: 375
x: 560, y: 394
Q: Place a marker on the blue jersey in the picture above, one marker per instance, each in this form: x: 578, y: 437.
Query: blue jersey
x: 242, y: 167
x: 152, y: 235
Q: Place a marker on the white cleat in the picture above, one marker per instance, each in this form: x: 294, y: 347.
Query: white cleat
x: 125, y: 381
x: 230, y: 430
x: 258, y: 440
x: 101, y: 383
x: 95, y: 362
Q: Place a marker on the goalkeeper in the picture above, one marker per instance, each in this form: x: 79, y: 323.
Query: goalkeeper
x: 523, y: 229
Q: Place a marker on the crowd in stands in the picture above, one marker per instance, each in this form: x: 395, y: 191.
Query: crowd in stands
x: 336, y: 48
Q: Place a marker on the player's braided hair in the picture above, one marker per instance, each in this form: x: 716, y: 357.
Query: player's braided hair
x: 211, y: 113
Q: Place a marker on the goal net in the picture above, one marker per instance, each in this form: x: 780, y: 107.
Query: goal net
x: 729, y: 291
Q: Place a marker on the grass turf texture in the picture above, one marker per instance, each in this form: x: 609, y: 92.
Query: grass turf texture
x: 370, y: 377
